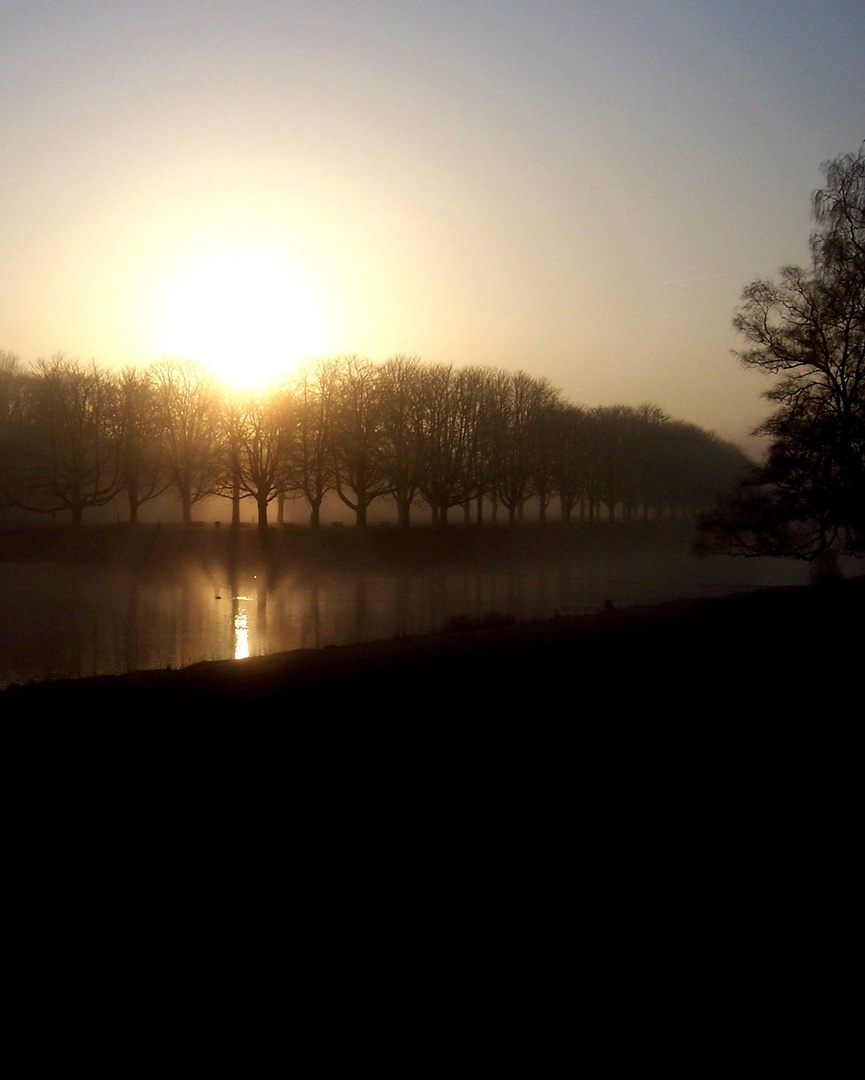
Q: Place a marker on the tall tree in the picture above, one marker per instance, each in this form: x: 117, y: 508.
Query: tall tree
x: 67, y: 441
x: 230, y: 426
x: 264, y: 435
x: 358, y: 452
x: 807, y: 329
x: 523, y: 401
x: 142, y: 457
x: 188, y: 408
x: 13, y: 400
x: 450, y: 412
x: 611, y: 460
x: 311, y: 472
x: 11, y: 377
x: 402, y: 430
x: 568, y: 427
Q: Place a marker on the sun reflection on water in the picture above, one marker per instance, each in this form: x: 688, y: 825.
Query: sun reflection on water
x: 241, y: 635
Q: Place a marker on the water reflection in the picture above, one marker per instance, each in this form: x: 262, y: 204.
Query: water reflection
x: 58, y: 621
x: 241, y: 632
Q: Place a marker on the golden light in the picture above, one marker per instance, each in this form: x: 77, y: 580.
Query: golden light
x: 246, y: 315
x: 241, y: 633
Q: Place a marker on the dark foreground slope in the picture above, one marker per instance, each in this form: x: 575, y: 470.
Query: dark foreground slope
x: 747, y: 655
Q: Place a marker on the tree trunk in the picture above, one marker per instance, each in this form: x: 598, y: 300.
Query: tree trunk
x: 403, y: 509
x: 133, y: 502
x: 262, y: 512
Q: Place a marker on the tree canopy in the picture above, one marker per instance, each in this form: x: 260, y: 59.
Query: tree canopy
x: 807, y: 329
x: 470, y: 440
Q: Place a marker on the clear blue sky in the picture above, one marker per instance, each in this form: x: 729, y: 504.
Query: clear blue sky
x: 577, y: 189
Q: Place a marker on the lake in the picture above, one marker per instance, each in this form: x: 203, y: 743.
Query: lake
x: 61, y: 620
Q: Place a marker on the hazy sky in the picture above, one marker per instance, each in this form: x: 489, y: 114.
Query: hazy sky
x: 578, y: 189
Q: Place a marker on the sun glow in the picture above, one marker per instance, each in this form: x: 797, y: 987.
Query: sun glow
x: 246, y: 315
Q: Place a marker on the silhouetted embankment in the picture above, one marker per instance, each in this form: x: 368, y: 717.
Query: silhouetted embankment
x: 781, y: 656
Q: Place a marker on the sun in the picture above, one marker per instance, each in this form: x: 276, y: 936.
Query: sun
x: 247, y: 315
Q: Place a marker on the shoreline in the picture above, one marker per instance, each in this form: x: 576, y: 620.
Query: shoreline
x: 776, y: 648
x: 158, y: 546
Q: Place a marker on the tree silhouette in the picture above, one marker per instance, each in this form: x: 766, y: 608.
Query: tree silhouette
x: 311, y: 472
x: 450, y: 433
x: 569, y: 428
x: 142, y: 455
x: 66, y: 439
x: 455, y: 437
x: 808, y: 330
x: 523, y: 403
x: 188, y: 410
x: 402, y: 431
x: 259, y: 439
x: 358, y: 452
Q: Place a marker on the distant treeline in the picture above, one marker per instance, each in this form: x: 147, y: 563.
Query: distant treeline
x: 486, y: 442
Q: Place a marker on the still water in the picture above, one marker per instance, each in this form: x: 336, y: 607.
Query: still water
x: 62, y: 621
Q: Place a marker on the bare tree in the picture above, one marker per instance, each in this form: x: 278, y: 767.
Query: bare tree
x: 13, y: 396
x: 142, y: 456
x: 358, y: 450
x: 522, y: 401
x: 11, y: 375
x: 264, y: 434
x: 449, y: 439
x: 188, y: 410
x: 402, y: 430
x: 569, y: 437
x: 311, y: 472
x: 230, y: 471
x: 807, y: 329
x: 66, y: 439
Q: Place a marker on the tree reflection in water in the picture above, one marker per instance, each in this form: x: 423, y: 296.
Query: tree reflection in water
x: 61, y: 621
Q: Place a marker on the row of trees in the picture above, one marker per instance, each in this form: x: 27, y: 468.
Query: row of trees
x: 75, y: 436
